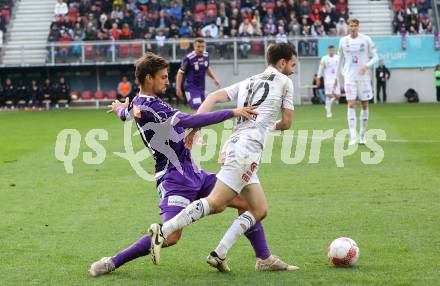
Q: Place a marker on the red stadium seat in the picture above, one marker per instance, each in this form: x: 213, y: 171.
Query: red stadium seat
x: 200, y: 8
x: 136, y: 50
x: 88, y: 51
x: 256, y: 47
x: 124, y: 51
x: 211, y: 6
x: 200, y: 17
x: 270, y: 5
x: 87, y: 95
x: 112, y: 94
x: 99, y: 94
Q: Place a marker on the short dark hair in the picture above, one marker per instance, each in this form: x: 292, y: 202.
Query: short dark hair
x: 331, y: 47
x: 278, y: 51
x: 150, y: 64
x: 199, y: 40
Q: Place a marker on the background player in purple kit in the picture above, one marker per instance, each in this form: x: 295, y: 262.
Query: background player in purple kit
x: 193, y: 68
x: 178, y: 180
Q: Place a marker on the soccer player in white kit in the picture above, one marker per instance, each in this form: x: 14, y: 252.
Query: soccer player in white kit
x: 357, y: 54
x: 270, y: 92
x: 327, y: 69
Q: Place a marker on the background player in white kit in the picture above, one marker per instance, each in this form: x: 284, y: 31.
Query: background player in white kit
x: 327, y: 69
x: 357, y: 54
x: 270, y: 92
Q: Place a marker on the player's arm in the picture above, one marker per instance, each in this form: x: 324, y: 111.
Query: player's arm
x: 179, y: 80
x: 340, y: 63
x: 373, y: 53
x: 120, y: 109
x: 185, y: 120
x: 180, y: 75
x: 211, y: 74
x: 287, y: 108
x: 286, y: 120
x: 320, y: 71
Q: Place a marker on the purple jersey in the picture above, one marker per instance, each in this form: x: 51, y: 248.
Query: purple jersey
x: 162, y: 130
x: 194, y: 67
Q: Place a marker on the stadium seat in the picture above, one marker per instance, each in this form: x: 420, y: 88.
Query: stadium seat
x: 270, y: 6
x: 99, y: 94
x: 200, y: 8
x: 87, y: 95
x: 124, y: 51
x: 212, y: 6
x: 88, y: 51
x: 136, y: 50
x: 112, y: 94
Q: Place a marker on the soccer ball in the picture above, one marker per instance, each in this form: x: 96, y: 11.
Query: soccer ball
x: 343, y: 251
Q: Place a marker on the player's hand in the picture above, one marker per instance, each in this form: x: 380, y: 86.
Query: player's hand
x: 217, y: 83
x: 179, y: 93
x: 249, y: 112
x: 116, y: 104
x: 190, y: 137
x: 363, y: 69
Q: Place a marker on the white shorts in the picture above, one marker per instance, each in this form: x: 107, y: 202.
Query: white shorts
x: 329, y: 90
x: 359, y: 88
x: 240, y: 160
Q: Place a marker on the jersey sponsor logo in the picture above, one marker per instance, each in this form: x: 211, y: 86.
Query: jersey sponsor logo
x: 245, y: 178
x: 178, y: 201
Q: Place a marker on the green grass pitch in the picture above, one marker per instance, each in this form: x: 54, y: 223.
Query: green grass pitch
x: 53, y: 225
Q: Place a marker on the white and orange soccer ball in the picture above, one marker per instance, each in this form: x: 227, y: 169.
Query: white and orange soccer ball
x: 343, y: 251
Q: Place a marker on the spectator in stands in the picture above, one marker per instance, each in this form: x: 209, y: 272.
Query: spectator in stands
x: 154, y: 6
x: 341, y: 28
x: 184, y: 30
x: 163, y: 23
x: 62, y: 91
x: 211, y: 16
x: 115, y: 33
x: 175, y: 12
x: 280, y: 10
x: 399, y: 25
x: 35, y: 95
x: 48, y: 92
x: 174, y: 31
x: 139, y: 25
x: 294, y: 27
x: 90, y: 33
x: 318, y: 29
x: 246, y: 28
x: 269, y: 28
x: 423, y: 6
x: 281, y: 36
x: 160, y: 43
x: 9, y: 94
x: 124, y: 88
x: 65, y: 45
x: 104, y: 22
x: 306, y: 29
x: 329, y: 20
x: 341, y: 5
x: 126, y: 33
x: 223, y: 21
x: 210, y: 31
x: 305, y: 8
x: 256, y: 28
x: 61, y: 9
x: 117, y: 14
x: 78, y: 32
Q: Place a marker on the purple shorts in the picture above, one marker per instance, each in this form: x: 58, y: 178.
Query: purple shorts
x: 195, y: 97
x: 176, y: 191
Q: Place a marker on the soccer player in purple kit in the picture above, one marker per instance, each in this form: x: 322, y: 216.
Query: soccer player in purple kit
x: 193, y: 68
x: 178, y: 182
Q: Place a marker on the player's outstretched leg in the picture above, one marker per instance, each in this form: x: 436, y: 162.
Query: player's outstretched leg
x: 103, y: 266
x: 273, y: 263
x: 108, y: 264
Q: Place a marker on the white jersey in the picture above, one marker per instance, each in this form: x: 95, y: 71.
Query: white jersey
x: 353, y: 54
x: 270, y: 91
x: 328, y: 67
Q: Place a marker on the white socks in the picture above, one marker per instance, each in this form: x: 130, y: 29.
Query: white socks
x: 363, y: 122
x: 328, y: 104
x: 351, y: 118
x: 240, y: 225
x: 193, y: 212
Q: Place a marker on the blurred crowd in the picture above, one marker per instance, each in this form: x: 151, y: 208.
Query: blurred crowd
x: 85, y: 20
x: 412, y: 16
x: 5, y: 13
